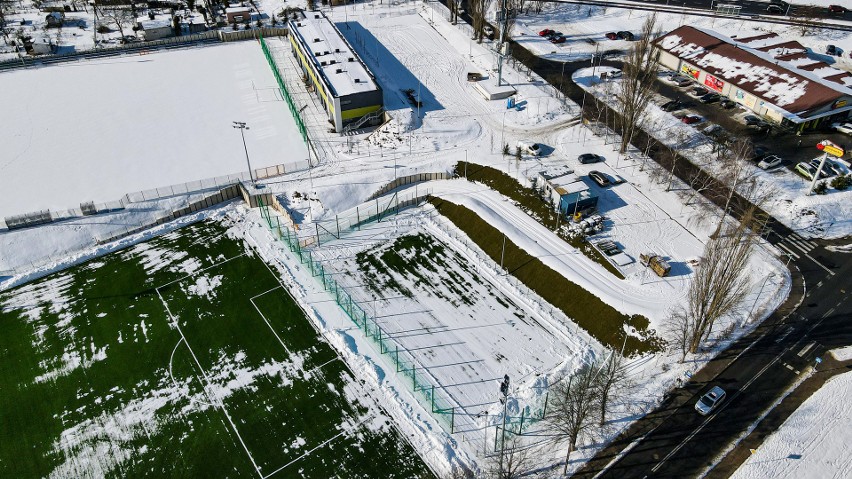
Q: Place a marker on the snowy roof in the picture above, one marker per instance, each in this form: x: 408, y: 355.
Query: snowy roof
x: 779, y: 83
x: 332, y: 55
x: 566, y: 184
x: 160, y: 21
x: 237, y: 10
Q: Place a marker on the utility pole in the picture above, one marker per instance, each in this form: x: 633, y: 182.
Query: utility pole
x: 504, y: 390
x: 241, y: 125
x: 502, y: 47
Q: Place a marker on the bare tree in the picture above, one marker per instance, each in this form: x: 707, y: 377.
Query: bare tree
x: 575, y: 402
x: 538, y: 6
x: 610, y: 381
x: 638, y: 81
x: 478, y: 9
x: 454, y: 6
x: 120, y: 16
x: 718, y: 287
x: 517, y: 459
x: 806, y: 17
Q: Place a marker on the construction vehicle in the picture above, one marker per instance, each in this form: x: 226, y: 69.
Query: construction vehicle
x: 656, y: 263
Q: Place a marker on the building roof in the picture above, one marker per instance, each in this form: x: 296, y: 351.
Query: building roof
x: 793, y: 90
x: 159, y: 21
x: 332, y: 55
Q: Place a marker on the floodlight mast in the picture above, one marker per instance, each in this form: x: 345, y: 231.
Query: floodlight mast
x: 242, y: 127
x: 504, y: 390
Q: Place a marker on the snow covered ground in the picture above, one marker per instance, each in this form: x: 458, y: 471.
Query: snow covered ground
x: 408, y: 46
x: 812, y: 441
x: 135, y: 122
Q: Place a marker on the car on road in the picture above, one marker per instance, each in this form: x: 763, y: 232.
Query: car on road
x: 612, y: 35
x: 761, y: 126
x: 699, y: 91
x: 614, y: 74
x: 842, y: 127
x: 710, y: 98
x: 671, y: 105
x: 827, y: 170
x: 553, y: 34
x: 832, y: 50
x: 710, y: 400
x: 727, y: 103
x: 590, y: 158
x: 625, y: 35
x: 836, y: 9
x: 759, y: 152
x: 775, y: 9
x: 770, y: 162
x: 559, y: 39
x: 545, y: 32
x: 601, y: 179
x: 691, y: 119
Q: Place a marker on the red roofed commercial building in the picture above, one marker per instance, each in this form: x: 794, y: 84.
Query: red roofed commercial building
x: 754, y: 72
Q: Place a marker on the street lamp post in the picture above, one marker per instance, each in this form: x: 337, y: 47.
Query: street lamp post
x: 504, y: 390
x: 241, y: 125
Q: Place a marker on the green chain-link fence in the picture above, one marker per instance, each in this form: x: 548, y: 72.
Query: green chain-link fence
x: 303, y: 130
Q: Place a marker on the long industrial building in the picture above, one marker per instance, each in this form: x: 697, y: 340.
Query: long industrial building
x: 346, y: 87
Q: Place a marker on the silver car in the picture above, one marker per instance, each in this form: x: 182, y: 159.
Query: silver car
x: 710, y: 401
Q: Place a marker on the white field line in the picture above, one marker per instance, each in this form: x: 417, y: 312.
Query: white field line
x: 207, y: 378
x: 280, y: 341
x: 307, y: 453
x: 172, y: 374
x: 200, y: 271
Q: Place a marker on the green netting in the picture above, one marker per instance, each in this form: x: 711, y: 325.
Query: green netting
x: 282, y: 87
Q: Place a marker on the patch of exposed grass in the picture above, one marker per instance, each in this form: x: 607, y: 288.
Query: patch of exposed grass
x: 601, y: 320
x: 530, y: 202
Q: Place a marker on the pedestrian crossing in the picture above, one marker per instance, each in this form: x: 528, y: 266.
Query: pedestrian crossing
x: 796, y: 246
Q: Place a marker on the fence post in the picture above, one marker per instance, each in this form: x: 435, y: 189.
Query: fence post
x: 358, y: 216
x: 544, y: 411
x: 317, y: 227
x: 397, y: 358
x: 433, y: 398
x: 453, y: 421
x: 414, y: 376
x: 337, y: 221
x: 378, y: 212
x: 521, y: 427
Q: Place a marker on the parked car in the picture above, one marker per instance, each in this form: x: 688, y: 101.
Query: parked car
x: 699, y: 91
x: 553, y: 34
x: 545, y: 32
x: 529, y: 147
x: 827, y: 170
x: 752, y: 120
x: 727, y: 103
x: 612, y: 36
x: 775, y: 9
x: 836, y: 9
x: 710, y: 98
x: 625, y: 35
x: 761, y: 126
x: 488, y: 30
x: 710, y: 401
x: 691, y: 119
x: 759, y: 153
x: 682, y: 81
x: 770, y: 162
x: 831, y: 50
x: 614, y: 74
x: 806, y: 170
x: 672, y: 105
x: 601, y: 179
x: 559, y: 39
x: 589, y: 158
x: 843, y: 127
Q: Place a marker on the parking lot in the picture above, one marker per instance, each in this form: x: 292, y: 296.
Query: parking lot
x: 778, y: 141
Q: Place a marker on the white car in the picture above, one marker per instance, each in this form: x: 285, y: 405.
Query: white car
x: 770, y: 162
x: 843, y: 128
x: 709, y: 401
x: 529, y: 147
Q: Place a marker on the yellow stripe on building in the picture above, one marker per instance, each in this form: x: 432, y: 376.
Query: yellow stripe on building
x: 359, y: 112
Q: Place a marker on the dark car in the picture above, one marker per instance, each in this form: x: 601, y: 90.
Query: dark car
x: 682, y: 81
x: 589, y: 158
x: 545, y: 32
x: 752, y: 120
x: 625, y: 35
x: 671, y: 105
x: 761, y: 126
x: 831, y: 50
x: 612, y: 36
x: 759, y: 153
x: 559, y: 39
x: 691, y: 119
x: 699, y: 91
x: 775, y: 9
x: 710, y: 98
x: 836, y: 9
x: 553, y: 34
x: 727, y: 103
x: 599, y: 178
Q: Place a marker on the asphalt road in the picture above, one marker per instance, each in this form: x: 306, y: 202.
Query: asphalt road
x: 748, y: 7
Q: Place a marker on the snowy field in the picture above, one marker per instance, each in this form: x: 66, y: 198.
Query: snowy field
x: 130, y: 123
x: 812, y: 442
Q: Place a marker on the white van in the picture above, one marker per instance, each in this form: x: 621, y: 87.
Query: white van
x: 529, y: 147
